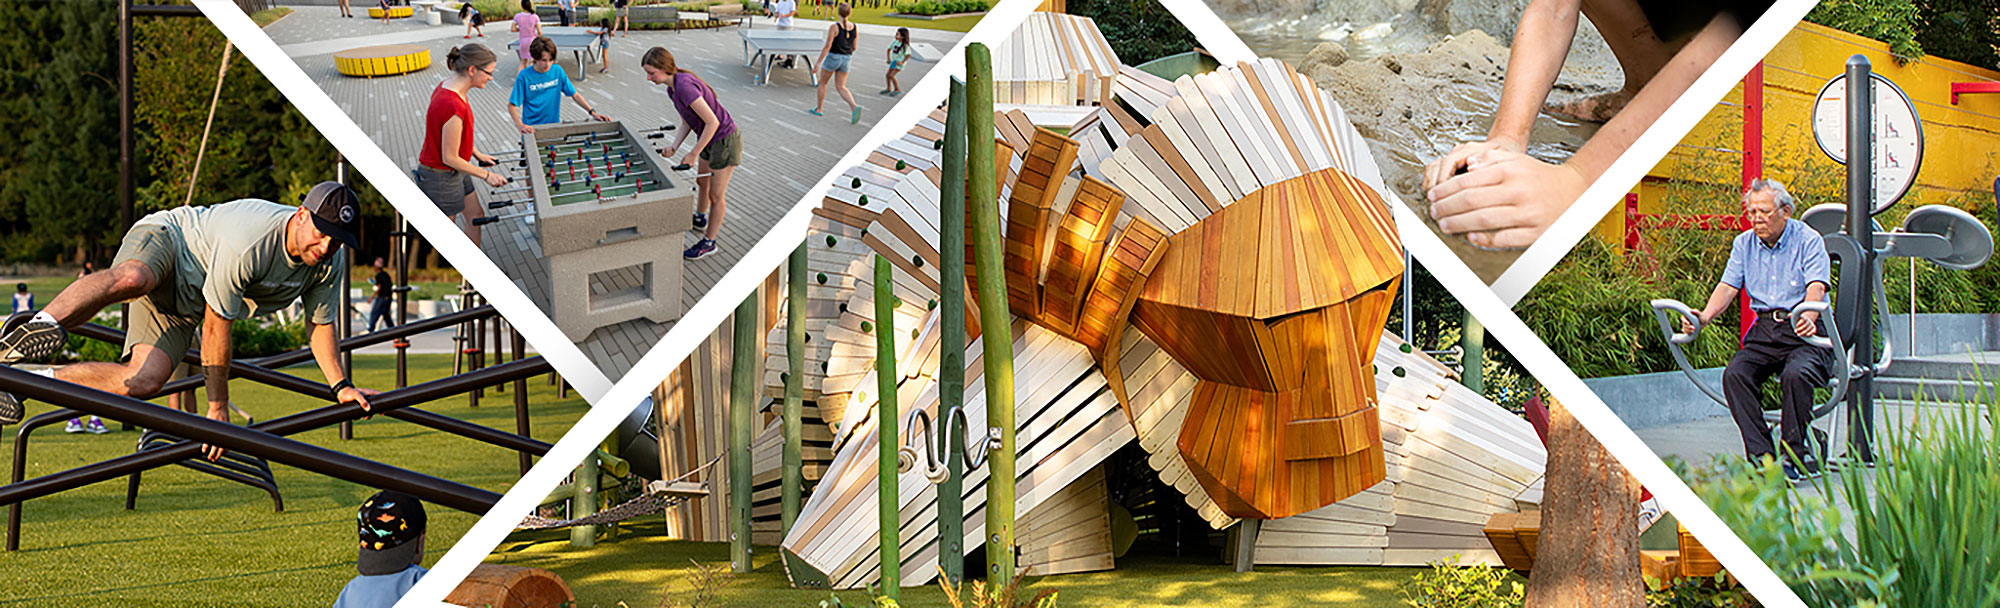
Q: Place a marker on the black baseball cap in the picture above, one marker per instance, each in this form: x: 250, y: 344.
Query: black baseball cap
x: 336, y: 211
x: 391, y: 525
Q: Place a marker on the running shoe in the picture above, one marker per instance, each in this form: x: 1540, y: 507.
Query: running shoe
x: 816, y: 112
x: 700, y: 250
x: 23, y: 338
x: 10, y: 409
x: 883, y: 92
x: 96, y: 426
x: 700, y: 220
x: 75, y: 425
x: 856, y: 118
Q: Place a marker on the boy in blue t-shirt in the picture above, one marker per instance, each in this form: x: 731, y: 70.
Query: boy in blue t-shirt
x: 538, y: 91
x: 391, y: 525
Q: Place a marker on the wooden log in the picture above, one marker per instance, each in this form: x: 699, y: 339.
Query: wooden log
x: 951, y: 373
x: 500, y: 586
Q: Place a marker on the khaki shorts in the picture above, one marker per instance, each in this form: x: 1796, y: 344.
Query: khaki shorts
x: 155, y: 246
x: 725, y: 153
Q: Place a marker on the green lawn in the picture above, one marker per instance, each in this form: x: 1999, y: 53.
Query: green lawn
x: 640, y: 567
x: 198, y: 540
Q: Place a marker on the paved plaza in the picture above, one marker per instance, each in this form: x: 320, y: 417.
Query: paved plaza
x: 785, y: 149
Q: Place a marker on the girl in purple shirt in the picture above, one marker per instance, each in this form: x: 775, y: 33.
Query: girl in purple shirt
x: 717, y: 147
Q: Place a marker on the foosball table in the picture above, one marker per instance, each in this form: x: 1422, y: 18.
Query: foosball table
x: 610, y: 222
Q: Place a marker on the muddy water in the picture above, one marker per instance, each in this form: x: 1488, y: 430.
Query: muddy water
x: 1413, y: 89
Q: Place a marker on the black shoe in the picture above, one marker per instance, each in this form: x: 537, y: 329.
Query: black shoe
x: 22, y: 338
x: 700, y: 250
x: 11, y: 411
x: 700, y: 220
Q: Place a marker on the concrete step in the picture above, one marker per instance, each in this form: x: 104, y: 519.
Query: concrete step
x: 1941, y: 377
x: 1931, y: 390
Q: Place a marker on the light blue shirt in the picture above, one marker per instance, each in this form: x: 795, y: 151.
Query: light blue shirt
x: 379, y: 591
x: 1776, y: 276
x: 540, y: 94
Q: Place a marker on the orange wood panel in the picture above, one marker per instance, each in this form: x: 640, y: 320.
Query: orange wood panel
x: 1075, y: 257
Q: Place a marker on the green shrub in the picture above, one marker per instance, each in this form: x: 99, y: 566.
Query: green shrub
x: 1922, y: 519
x: 1448, y: 585
x: 254, y: 338
x: 1714, y: 592
x: 932, y: 8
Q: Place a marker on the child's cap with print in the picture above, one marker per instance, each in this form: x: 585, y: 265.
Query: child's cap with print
x: 391, y: 526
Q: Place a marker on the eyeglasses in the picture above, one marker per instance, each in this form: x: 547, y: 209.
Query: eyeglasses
x: 488, y: 71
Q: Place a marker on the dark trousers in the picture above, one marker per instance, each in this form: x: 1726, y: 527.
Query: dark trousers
x: 379, y: 311
x: 1773, y: 348
x: 563, y: 15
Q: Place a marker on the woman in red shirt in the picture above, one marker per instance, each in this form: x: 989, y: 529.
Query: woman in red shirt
x: 445, y: 163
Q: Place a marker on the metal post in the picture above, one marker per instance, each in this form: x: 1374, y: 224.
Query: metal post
x: 993, y: 314
x: 345, y: 313
x: 1473, y: 340
x: 401, y: 241
x: 1753, y: 168
x: 951, y: 372
x: 742, y: 406
x: 521, y: 426
x: 1860, y: 211
x: 792, y: 475
x: 125, y: 188
x: 887, y: 504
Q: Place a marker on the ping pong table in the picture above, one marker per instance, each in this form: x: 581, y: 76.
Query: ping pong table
x: 576, y: 40
x: 770, y: 45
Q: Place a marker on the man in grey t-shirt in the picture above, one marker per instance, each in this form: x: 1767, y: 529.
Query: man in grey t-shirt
x: 193, y: 269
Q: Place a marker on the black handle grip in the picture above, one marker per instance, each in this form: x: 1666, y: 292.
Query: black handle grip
x: 683, y: 167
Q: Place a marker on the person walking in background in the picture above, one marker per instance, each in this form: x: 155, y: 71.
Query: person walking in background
x: 445, y: 167
x: 565, y: 10
x: 623, y: 11
x: 475, y: 21
x: 719, y: 146
x: 782, y: 12
x: 834, y: 58
x: 383, y: 5
x: 24, y: 300
x: 385, y: 297
x: 529, y: 25
x: 899, y: 54
x: 345, y: 11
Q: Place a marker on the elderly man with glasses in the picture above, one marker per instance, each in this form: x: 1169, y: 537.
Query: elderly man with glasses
x: 1780, y: 262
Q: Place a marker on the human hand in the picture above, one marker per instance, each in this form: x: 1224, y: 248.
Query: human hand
x: 1462, y: 155
x: 526, y: 129
x: 1689, y: 327
x: 1505, y: 200
x: 357, y: 395
x: 1806, y: 324
x: 599, y: 117
x: 689, y: 159
x: 485, y: 158
x: 495, y: 179
x: 219, y: 412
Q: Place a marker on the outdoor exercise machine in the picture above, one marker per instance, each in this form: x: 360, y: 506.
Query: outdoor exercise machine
x: 265, y: 440
x: 1879, y: 137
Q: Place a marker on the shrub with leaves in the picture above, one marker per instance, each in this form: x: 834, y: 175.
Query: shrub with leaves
x: 1450, y: 585
x: 1690, y: 592
x: 976, y: 594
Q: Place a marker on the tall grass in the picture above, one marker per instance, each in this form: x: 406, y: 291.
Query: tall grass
x: 1921, y: 528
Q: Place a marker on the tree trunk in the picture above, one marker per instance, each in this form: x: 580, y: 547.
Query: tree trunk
x: 1590, y: 555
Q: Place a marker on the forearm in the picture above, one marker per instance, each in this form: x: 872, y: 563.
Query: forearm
x: 1718, y: 300
x: 515, y: 112
x: 1652, y: 101
x: 581, y: 103
x: 1541, y: 43
x: 707, y: 135
x: 216, y: 351
x: 326, y: 351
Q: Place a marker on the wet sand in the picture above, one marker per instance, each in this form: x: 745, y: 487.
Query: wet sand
x: 1413, y: 92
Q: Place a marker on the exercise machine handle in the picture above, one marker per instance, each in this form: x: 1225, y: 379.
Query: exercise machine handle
x: 1663, y: 306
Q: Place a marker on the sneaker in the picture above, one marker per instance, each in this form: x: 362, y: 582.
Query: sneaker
x: 700, y: 220
x: 23, y: 338
x: 10, y: 409
x: 75, y: 425
x: 883, y: 92
x: 895, y: 93
x: 700, y: 250
x: 816, y: 112
x: 96, y: 426
x: 856, y: 118
x: 1795, y: 474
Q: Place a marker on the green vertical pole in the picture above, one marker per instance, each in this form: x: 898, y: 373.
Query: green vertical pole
x: 583, y: 501
x: 795, y: 389
x: 744, y: 352
x: 993, y: 314
x: 1473, y: 341
x: 888, y: 439
x: 951, y: 375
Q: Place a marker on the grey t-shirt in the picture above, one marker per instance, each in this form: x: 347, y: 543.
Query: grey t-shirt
x: 233, y: 260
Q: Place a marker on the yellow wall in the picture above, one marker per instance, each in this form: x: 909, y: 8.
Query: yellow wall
x: 1961, y: 143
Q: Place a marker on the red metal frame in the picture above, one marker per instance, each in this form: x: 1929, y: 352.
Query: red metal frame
x: 1753, y: 168
x: 1972, y: 87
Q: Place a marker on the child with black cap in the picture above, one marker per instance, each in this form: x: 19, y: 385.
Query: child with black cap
x: 391, y: 524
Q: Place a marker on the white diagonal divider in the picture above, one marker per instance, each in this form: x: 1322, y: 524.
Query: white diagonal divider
x: 1647, y: 151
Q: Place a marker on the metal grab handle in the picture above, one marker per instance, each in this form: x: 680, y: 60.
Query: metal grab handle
x: 1843, y: 360
x: 1661, y: 308
x: 932, y: 458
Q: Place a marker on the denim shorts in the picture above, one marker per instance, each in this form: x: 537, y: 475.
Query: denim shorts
x: 836, y: 63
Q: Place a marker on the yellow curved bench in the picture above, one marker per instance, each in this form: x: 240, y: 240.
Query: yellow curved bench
x: 385, y: 60
x: 395, y: 12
